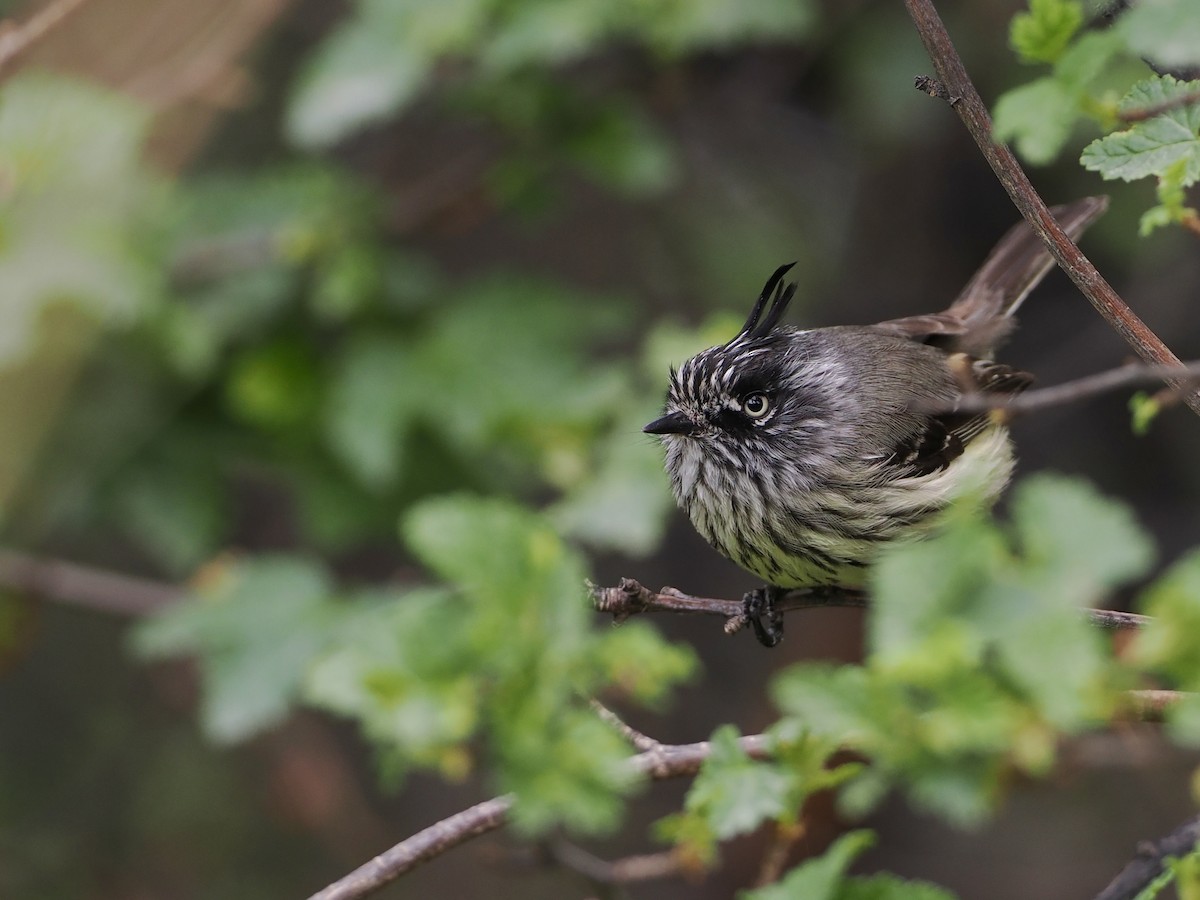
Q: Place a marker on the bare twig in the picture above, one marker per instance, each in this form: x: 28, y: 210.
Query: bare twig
x: 665, y: 761
x: 630, y: 598
x: 1148, y: 863
x: 628, y: 869
x: 775, y: 859
x: 965, y: 100
x: 421, y: 847
x: 640, y: 742
x: 1156, y: 109
x: 1080, y: 389
x: 1151, y: 706
x: 17, y: 39
x: 76, y: 585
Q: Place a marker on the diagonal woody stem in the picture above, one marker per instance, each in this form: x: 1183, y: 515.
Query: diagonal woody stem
x: 957, y: 88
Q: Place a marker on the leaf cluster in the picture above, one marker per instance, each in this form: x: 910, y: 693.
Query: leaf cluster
x: 1115, y: 78
x: 497, y: 661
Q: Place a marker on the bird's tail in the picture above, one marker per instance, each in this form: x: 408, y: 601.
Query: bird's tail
x: 981, y: 316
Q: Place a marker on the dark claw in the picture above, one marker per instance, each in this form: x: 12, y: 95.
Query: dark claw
x: 759, y: 608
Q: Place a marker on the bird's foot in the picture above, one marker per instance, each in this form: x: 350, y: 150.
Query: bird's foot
x: 759, y: 609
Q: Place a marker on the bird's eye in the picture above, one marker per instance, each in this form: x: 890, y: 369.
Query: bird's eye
x: 756, y: 405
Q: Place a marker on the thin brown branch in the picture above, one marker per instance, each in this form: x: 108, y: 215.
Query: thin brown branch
x: 640, y: 742
x: 84, y: 586
x: 1133, y: 375
x: 775, y: 858
x: 627, y: 870
x: 965, y: 100
x: 630, y: 597
x: 16, y: 39
x: 665, y: 761
x: 1151, y: 705
x: 1156, y: 109
x: 1149, y: 861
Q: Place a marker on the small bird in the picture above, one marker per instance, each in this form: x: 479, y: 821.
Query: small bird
x: 799, y: 453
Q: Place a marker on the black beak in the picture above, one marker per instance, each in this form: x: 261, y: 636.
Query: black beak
x: 672, y: 423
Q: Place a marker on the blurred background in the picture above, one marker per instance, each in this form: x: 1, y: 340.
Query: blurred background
x: 271, y: 271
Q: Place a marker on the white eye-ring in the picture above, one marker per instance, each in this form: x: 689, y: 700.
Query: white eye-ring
x: 756, y: 405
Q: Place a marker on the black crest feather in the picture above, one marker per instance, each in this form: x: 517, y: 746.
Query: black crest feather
x: 759, y: 325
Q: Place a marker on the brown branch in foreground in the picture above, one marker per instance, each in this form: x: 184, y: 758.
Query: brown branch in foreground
x: 17, y: 39
x: 1149, y: 861
x: 75, y: 585
x: 630, y: 597
x: 957, y: 86
x: 665, y: 761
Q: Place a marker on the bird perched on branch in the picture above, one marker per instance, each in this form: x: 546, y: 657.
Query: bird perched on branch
x: 799, y: 453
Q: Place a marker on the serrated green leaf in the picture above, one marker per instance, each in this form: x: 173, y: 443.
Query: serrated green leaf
x: 820, y: 878
x: 735, y: 793
x: 396, y: 667
x: 1152, y: 146
x: 1037, y: 117
x: 494, y: 548
x: 583, y: 787
x: 1043, y: 33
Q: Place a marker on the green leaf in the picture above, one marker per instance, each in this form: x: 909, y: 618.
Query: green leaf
x: 582, y: 786
x: 1165, y: 644
x: 734, y: 793
x: 1143, y: 407
x: 1083, y: 542
x: 493, y: 548
x: 1037, y: 117
x: 921, y: 590
x: 395, y: 666
x: 75, y: 197
x: 1171, y: 195
x: 1042, y: 34
x: 256, y: 629
x: 1164, y: 31
x: 820, y: 878
x: 366, y: 70
x: 888, y: 887
x: 375, y: 392
x: 1152, y: 146
x: 641, y: 665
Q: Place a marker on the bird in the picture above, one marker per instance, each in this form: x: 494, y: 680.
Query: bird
x: 800, y: 453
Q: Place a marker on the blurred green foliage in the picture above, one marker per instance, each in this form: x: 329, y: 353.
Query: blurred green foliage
x: 266, y: 333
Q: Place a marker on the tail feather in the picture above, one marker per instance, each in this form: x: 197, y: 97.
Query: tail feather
x: 981, y: 316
